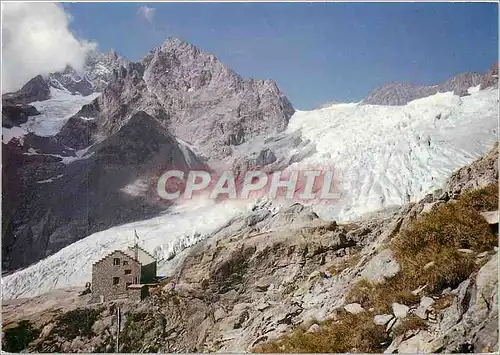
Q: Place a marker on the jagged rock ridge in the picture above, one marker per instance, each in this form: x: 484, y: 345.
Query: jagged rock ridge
x: 396, y: 94
x: 194, y: 95
x: 37, y: 89
x: 96, y: 75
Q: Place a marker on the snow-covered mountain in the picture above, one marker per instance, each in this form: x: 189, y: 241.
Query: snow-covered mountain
x: 54, y: 113
x: 98, y: 166
x: 384, y: 155
x: 97, y: 73
x: 79, y: 176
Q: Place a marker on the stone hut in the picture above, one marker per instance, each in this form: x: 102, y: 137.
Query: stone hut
x: 123, y: 274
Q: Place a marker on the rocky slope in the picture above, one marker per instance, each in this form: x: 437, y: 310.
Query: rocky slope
x: 276, y: 281
x: 397, y: 94
x: 490, y: 78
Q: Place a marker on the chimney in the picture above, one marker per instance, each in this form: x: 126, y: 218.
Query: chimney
x: 136, y: 246
x: 136, y: 256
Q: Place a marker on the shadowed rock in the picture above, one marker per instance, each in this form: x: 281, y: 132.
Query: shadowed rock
x: 36, y: 89
x: 15, y: 115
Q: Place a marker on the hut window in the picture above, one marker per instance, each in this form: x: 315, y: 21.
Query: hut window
x: 128, y: 272
x: 116, y: 280
x: 116, y: 261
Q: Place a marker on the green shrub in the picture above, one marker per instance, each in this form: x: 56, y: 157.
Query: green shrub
x: 428, y: 252
x: 433, y: 241
x: 75, y: 323
x: 133, y: 331
x: 409, y: 323
x: 381, y: 296
x: 481, y: 200
x: 350, y: 333
x: 17, y: 338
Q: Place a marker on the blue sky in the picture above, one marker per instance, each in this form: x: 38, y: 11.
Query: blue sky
x: 316, y: 52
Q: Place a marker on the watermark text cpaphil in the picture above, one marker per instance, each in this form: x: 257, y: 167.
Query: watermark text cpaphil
x: 299, y: 185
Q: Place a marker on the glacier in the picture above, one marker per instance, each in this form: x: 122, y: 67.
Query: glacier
x: 54, y: 113
x: 391, y: 155
x: 383, y: 156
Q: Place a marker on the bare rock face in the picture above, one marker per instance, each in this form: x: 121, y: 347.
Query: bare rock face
x: 210, y: 105
x: 460, y: 83
x: 381, y: 267
x: 397, y: 94
x: 70, y: 80
x: 99, y: 68
x: 36, y: 89
x: 490, y: 79
x: 480, y: 173
x: 14, y: 115
x: 126, y: 95
x: 195, y: 96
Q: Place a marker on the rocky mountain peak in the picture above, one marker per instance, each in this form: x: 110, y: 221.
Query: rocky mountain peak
x: 460, y: 83
x: 183, y: 66
x: 117, y: 143
x: 396, y: 94
x: 114, y: 54
x: 490, y: 79
x: 173, y: 43
x: 37, y: 89
x: 195, y: 96
x: 96, y: 75
x: 109, y: 59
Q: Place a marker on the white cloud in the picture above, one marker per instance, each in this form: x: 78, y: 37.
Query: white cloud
x: 37, y: 40
x: 147, y: 12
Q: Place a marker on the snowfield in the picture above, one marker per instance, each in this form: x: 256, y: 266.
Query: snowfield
x: 79, y: 155
x: 383, y: 156
x: 391, y: 155
x: 54, y: 113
